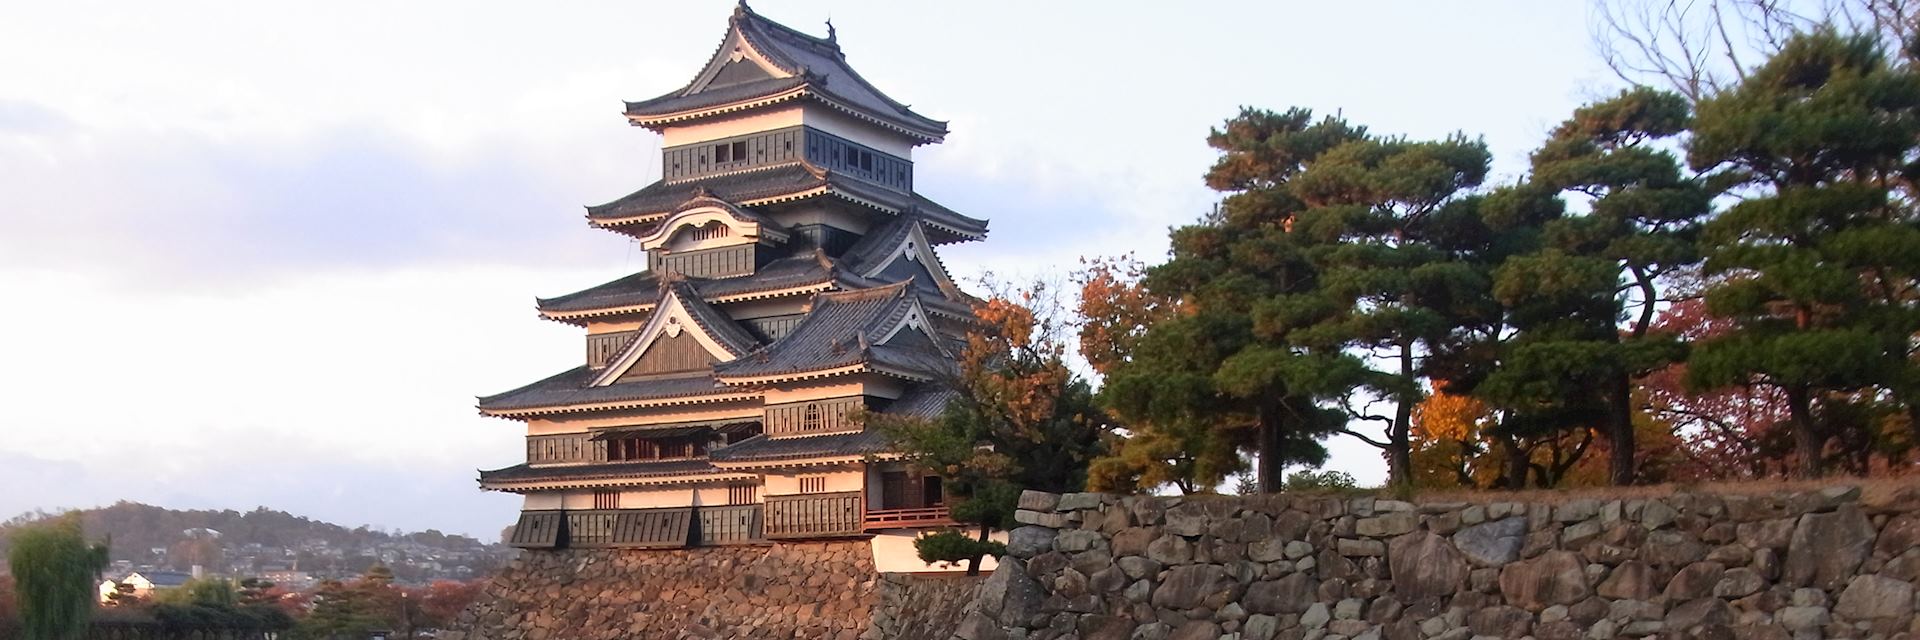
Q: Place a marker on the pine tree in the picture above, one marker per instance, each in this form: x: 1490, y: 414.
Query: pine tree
x: 1200, y: 386
x: 1394, y: 279
x: 1815, y: 265
x: 1594, y: 269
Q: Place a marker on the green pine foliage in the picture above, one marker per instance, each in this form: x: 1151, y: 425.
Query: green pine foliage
x: 1570, y: 365
x: 1816, y: 261
x: 1204, y: 386
x: 954, y: 547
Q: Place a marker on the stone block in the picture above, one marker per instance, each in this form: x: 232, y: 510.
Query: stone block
x: 1038, y: 500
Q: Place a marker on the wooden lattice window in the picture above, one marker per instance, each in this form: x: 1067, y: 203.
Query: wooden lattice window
x: 813, y: 484
x: 743, y: 494
x: 810, y: 419
x: 606, y: 499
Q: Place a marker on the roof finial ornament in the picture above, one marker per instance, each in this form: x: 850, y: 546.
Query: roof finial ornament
x: 742, y: 9
x: 831, y: 37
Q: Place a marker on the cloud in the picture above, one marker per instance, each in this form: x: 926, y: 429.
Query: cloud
x: 175, y: 207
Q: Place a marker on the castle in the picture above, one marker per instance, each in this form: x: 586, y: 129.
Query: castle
x: 792, y: 286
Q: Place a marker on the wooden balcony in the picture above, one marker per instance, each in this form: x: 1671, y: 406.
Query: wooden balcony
x: 814, y: 515
x: 908, y: 518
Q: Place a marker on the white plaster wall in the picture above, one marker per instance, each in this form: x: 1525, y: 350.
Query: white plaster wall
x: 832, y: 121
x: 757, y: 121
x: 595, y: 327
x: 543, y: 501
x: 787, y: 482
x: 860, y: 385
x: 893, y: 552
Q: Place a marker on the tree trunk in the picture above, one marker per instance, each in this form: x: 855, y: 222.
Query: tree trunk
x: 1399, y: 441
x: 1463, y: 475
x: 1517, y: 467
x: 973, y: 564
x: 1271, y: 472
x: 1806, y: 434
x: 1620, y: 471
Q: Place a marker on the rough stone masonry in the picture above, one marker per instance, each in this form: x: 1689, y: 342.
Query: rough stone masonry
x: 1818, y: 564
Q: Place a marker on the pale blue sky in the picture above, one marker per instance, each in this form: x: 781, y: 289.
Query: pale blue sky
x: 267, y: 253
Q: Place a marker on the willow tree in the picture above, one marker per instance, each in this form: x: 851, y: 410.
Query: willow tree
x: 54, y: 571
x: 1815, y: 267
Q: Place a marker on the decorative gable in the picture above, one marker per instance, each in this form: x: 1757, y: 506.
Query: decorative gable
x: 912, y: 257
x: 684, y: 334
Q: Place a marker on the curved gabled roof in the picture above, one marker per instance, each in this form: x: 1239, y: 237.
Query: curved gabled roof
x: 844, y: 329
x: 807, y: 68
x: 783, y: 183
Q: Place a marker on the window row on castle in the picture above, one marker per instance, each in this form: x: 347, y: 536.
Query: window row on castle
x: 680, y: 443
x: 786, y: 145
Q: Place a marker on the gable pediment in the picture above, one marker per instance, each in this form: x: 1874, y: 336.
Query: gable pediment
x: 683, y: 335
x: 738, y: 61
x: 913, y: 257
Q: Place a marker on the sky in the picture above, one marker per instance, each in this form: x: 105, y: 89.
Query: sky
x: 268, y: 253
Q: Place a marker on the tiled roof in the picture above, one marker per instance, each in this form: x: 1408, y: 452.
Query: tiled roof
x: 663, y: 196
x: 781, y: 180
x: 714, y: 323
x: 925, y: 400
x: 815, y: 63
x: 165, y: 578
x: 527, y: 473
x: 840, y: 331
x: 757, y: 448
x: 570, y: 388
x: 644, y: 288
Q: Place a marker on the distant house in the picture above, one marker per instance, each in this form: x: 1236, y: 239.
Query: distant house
x: 144, y: 583
x: 289, y: 578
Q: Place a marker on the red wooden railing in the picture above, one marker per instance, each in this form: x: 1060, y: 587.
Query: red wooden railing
x: 898, y: 518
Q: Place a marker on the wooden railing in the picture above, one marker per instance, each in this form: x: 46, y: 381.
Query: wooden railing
x: 900, y: 518
x: 630, y: 527
x: 728, y: 525
x: 814, y: 515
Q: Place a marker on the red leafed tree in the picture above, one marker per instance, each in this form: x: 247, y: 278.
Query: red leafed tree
x: 1732, y: 432
x: 441, y: 602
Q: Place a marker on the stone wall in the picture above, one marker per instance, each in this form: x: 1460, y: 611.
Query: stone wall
x: 789, y: 590
x: 1802, y: 565
x: 922, y: 606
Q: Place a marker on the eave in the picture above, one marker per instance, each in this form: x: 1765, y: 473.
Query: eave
x: 822, y: 461
x: 661, y: 121
x: 795, y: 376
x: 620, y: 405
x: 579, y: 318
x: 599, y: 483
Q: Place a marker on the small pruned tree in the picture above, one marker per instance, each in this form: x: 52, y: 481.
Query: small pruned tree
x: 1019, y: 418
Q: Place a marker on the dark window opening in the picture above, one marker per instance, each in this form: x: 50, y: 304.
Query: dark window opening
x: 931, y: 492
x: 743, y: 494
x: 866, y: 161
x: 722, y: 153
x: 632, y: 449
x: 740, y: 150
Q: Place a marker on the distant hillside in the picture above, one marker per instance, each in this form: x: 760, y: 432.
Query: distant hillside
x: 241, y: 543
